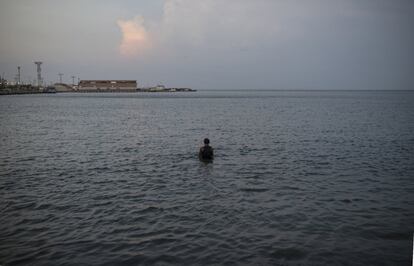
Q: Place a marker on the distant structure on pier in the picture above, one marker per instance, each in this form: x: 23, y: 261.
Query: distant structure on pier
x: 18, y: 75
x: 107, y: 85
x: 39, y: 73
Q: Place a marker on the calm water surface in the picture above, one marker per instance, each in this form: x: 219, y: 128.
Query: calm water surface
x: 299, y: 178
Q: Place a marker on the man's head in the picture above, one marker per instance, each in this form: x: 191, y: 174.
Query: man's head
x: 206, y: 141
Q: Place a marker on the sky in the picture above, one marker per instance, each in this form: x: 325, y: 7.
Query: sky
x: 213, y: 44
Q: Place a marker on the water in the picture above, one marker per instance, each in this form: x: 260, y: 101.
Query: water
x: 299, y: 178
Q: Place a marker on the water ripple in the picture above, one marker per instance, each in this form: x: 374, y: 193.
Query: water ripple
x: 298, y: 179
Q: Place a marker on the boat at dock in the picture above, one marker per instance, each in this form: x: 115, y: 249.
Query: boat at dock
x: 162, y: 88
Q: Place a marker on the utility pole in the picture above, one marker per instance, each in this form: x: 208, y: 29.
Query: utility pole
x: 39, y: 73
x: 73, y: 80
x: 60, y: 77
x: 18, y: 75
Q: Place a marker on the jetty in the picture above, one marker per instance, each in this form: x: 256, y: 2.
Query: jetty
x: 25, y: 89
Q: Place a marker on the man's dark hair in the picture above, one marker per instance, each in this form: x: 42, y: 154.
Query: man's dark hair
x: 206, y: 141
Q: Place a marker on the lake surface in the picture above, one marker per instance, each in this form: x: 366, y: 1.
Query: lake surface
x: 299, y: 178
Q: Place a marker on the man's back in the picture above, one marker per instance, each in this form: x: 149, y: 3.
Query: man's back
x: 206, y: 153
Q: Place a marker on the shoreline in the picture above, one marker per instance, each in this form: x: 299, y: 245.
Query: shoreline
x: 32, y: 90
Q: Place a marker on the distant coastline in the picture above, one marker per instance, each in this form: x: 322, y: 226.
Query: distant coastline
x: 65, y: 88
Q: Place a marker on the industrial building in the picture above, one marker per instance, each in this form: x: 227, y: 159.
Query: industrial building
x: 107, y: 85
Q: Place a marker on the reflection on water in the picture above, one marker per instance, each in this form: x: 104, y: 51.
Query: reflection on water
x: 299, y: 178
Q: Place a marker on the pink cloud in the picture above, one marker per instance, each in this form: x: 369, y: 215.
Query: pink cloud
x: 135, y: 37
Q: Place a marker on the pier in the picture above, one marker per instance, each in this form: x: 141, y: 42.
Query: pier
x: 64, y: 88
x: 24, y: 89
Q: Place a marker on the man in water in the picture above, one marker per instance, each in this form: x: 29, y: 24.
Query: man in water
x: 206, y: 152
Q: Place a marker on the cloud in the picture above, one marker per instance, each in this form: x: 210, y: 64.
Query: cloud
x: 218, y: 24
x: 203, y: 25
x: 135, y: 37
x: 281, y: 44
